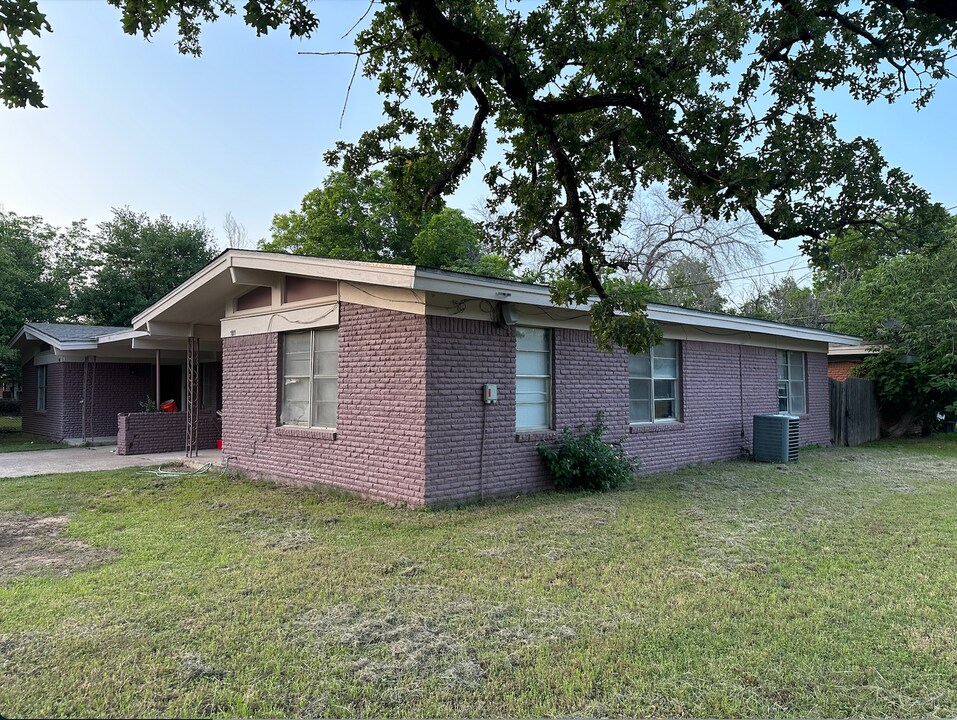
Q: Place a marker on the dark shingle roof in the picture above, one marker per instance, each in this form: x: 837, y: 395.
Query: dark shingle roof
x: 66, y: 332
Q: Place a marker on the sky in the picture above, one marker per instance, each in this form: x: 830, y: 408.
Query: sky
x: 243, y: 129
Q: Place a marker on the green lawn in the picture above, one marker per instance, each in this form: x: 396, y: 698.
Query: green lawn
x: 824, y: 588
x: 12, y: 440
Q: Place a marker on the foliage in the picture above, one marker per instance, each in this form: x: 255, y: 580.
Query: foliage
x: 348, y: 218
x: 908, y: 304
x: 135, y: 260
x: 35, y: 267
x: 584, y: 461
x: 18, y: 63
x: 787, y: 302
x: 8, y: 406
x: 447, y: 239
x: 593, y: 99
x: 691, y: 284
x: 149, y: 405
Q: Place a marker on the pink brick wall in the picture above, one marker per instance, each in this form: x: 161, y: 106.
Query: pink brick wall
x: 139, y: 433
x: 378, y: 448
x: 113, y: 387
x: 716, y: 415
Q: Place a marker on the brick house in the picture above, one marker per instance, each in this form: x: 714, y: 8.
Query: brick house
x: 373, y: 377
x: 77, y: 380
x: 843, y: 360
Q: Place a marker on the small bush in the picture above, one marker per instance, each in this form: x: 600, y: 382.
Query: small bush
x: 9, y: 407
x: 584, y: 461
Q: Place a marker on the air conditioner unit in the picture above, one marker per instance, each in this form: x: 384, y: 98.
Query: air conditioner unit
x: 776, y: 438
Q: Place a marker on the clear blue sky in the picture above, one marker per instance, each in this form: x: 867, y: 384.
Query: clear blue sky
x: 243, y: 128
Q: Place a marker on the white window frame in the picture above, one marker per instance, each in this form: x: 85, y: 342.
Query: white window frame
x: 41, y: 388
x: 791, y: 377
x: 310, y: 380
x: 652, y: 379
x: 522, y: 398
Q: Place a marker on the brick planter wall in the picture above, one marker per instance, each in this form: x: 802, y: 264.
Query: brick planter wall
x: 378, y: 447
x: 140, y: 433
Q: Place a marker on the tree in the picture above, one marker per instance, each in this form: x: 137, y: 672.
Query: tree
x: 135, y: 260
x: 689, y: 283
x: 592, y: 99
x: 908, y: 305
x: 659, y: 232
x: 348, y: 218
x: 36, y: 281
x: 787, y: 302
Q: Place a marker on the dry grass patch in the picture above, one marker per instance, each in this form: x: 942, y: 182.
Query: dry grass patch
x: 35, y: 545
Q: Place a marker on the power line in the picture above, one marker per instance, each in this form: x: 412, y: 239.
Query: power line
x: 731, y: 275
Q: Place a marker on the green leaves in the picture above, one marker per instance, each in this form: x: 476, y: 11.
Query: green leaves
x: 18, y: 63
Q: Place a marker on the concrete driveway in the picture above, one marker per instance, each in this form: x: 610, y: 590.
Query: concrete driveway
x: 82, y: 459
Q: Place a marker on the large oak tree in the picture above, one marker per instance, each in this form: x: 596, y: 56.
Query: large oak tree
x: 591, y: 99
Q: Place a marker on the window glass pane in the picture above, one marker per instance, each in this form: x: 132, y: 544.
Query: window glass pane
x: 531, y: 338
x: 296, y: 343
x: 797, y: 403
x: 639, y: 389
x: 666, y: 367
x: 782, y: 397
x: 664, y: 389
x: 531, y: 385
x: 796, y: 366
x: 639, y: 411
x: 664, y: 409
x: 531, y: 363
x: 296, y: 389
x: 533, y: 415
x: 295, y: 412
x: 639, y: 365
x: 667, y: 349
x: 782, y: 365
x: 327, y: 339
x: 327, y: 363
x: 325, y: 415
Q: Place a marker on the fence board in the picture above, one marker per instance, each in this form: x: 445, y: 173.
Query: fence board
x: 854, y: 411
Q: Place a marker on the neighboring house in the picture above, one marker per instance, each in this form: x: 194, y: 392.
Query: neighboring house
x: 78, y: 378
x: 842, y: 360
x: 373, y: 377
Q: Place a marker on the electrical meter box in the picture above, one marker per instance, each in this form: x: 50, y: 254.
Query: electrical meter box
x: 490, y: 393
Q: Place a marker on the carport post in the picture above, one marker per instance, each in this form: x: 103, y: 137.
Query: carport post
x: 157, y: 379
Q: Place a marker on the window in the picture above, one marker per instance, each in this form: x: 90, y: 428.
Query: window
x: 310, y: 378
x: 42, y: 387
x: 210, y: 385
x: 533, y: 379
x: 791, y: 396
x: 653, y: 384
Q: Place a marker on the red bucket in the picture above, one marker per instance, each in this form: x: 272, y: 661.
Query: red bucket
x: 169, y: 406
x: 219, y: 444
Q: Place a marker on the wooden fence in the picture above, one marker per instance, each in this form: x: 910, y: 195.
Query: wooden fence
x: 854, y: 413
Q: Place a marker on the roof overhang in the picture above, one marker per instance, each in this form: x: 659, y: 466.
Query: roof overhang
x: 201, y: 300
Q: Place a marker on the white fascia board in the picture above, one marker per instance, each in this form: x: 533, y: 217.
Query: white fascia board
x: 862, y: 349
x: 718, y: 321
x: 402, y: 276
x: 481, y: 288
x: 121, y: 336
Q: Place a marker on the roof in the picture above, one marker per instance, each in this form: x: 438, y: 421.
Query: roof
x: 199, y: 299
x: 66, y: 335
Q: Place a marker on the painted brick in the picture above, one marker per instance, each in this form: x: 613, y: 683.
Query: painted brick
x: 139, y: 433
x: 111, y: 388
x: 473, y: 451
x: 378, y: 448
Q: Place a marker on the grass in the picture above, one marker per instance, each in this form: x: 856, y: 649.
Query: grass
x: 13, y: 440
x: 824, y: 588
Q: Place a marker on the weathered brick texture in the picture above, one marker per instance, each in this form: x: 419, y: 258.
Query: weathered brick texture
x: 841, y: 370
x: 111, y: 388
x: 155, y: 432
x: 378, y: 448
x: 472, y: 450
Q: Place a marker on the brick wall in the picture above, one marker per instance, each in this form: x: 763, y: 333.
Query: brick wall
x: 113, y: 388
x: 841, y: 370
x: 49, y: 423
x: 139, y: 433
x: 378, y: 448
x: 716, y: 414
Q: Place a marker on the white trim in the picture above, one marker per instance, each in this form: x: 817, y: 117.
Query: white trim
x: 315, y: 316
x: 862, y: 349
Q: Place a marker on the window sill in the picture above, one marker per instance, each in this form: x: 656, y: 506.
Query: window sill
x: 522, y: 436
x: 305, y: 432
x: 641, y: 428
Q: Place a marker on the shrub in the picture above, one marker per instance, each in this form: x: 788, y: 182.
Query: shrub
x: 584, y: 461
x: 9, y: 407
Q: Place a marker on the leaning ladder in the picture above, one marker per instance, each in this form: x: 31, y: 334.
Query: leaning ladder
x: 192, y: 396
